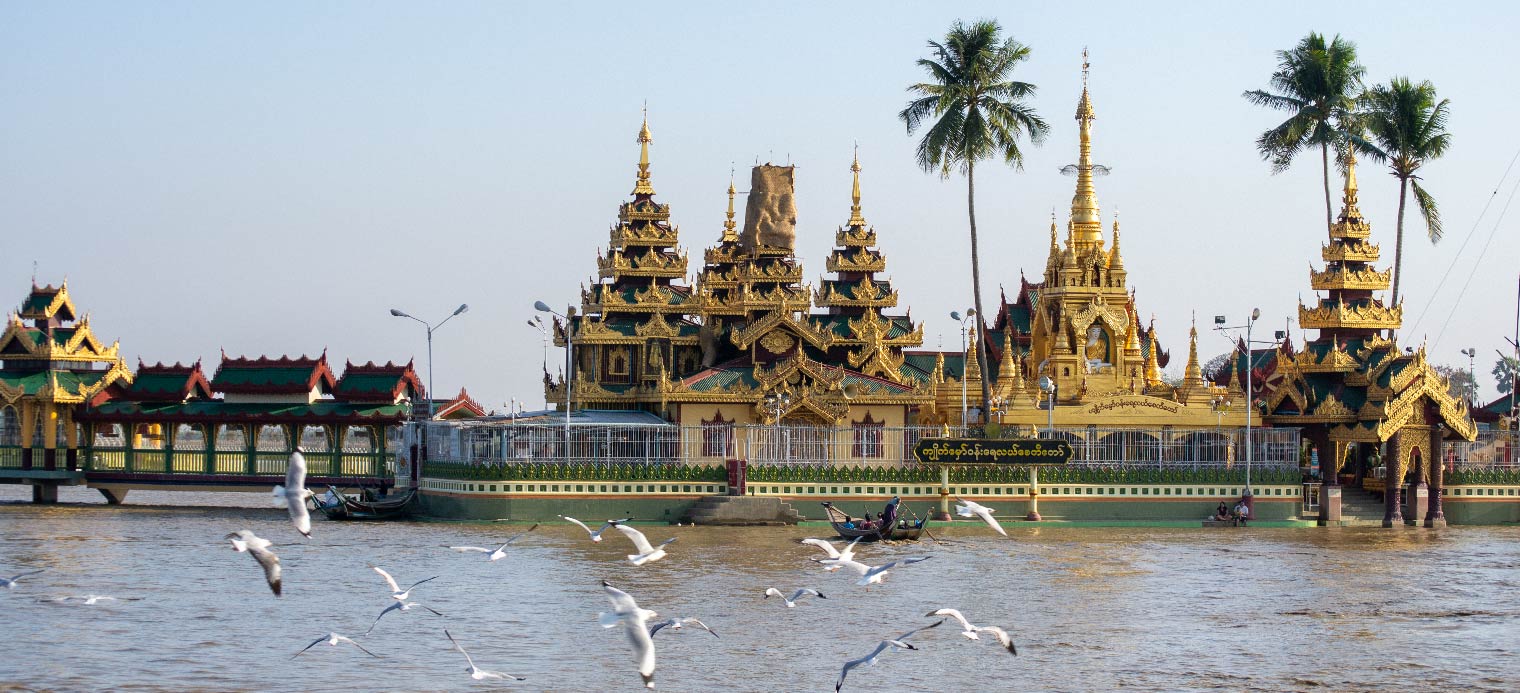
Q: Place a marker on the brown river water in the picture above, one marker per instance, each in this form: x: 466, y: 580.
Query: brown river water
x: 1091, y: 609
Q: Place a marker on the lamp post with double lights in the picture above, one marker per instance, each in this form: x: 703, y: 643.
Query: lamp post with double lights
x: 1220, y: 405
x: 776, y: 403
x: 965, y: 358
x: 537, y: 323
x: 1047, y: 386
x: 542, y: 307
x: 1219, y: 321
x: 430, y: 328
x: 1472, y: 375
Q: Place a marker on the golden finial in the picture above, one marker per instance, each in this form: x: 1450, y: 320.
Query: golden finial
x: 729, y: 235
x: 1086, y: 226
x: 642, y: 187
x: 855, y: 217
x: 1350, y: 198
x: 1114, y: 260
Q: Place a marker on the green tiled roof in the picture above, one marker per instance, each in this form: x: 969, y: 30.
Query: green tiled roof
x: 32, y: 383
x: 840, y: 325
x: 158, y: 384
x: 1019, y: 316
x: 716, y: 379
x: 922, y: 361
x: 295, y: 377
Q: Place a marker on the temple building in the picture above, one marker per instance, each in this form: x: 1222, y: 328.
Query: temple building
x: 744, y: 344
x: 1359, y: 399
x: 53, y: 365
x: 1080, y: 327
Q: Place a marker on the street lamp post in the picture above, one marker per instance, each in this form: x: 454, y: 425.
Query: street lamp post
x: 542, y: 307
x: 775, y: 403
x: 955, y: 315
x: 1221, y: 404
x: 400, y: 314
x: 1247, y: 497
x: 1048, y: 386
x: 537, y: 323
x: 1472, y: 375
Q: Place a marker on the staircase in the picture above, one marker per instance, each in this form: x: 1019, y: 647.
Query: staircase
x: 741, y: 511
x: 1360, y: 508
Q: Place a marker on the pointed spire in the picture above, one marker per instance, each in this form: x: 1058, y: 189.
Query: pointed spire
x: 1114, y: 260
x: 1193, y: 374
x: 1087, y: 228
x: 1007, y: 367
x: 855, y: 217
x: 642, y: 187
x: 730, y: 235
x: 1152, y: 361
x: 1055, y: 247
x: 973, y: 370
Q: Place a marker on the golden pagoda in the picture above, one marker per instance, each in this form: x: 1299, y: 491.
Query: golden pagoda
x: 53, y: 366
x: 631, y: 334
x: 1079, y: 328
x: 1356, y: 396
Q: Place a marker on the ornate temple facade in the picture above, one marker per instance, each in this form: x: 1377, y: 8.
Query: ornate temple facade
x: 1355, y: 394
x: 750, y: 341
x: 53, y: 365
x: 1080, y: 327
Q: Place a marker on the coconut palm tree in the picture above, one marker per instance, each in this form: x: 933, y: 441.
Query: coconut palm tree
x: 1318, y: 84
x: 1407, y: 128
x: 974, y: 111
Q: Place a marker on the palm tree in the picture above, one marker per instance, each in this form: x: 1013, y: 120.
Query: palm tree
x: 977, y: 113
x: 1408, y: 128
x: 1317, y: 83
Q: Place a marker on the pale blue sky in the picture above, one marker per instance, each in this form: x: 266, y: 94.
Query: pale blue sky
x: 272, y: 178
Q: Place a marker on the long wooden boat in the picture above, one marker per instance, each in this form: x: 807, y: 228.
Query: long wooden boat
x: 337, y: 505
x: 891, y: 529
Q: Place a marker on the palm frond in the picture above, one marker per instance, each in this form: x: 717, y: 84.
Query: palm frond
x: 1428, y: 209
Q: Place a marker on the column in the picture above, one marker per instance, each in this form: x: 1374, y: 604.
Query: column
x: 28, y: 429
x: 49, y: 415
x: 1434, y: 517
x: 1393, y: 475
x: 71, y: 440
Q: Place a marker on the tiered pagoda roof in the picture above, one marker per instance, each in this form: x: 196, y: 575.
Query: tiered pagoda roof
x: 161, y: 383
x: 1352, y: 380
x: 301, y: 375
x: 391, y: 383
x: 56, y: 358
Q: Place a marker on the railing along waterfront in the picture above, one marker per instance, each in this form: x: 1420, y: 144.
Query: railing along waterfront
x: 1492, y: 450
x: 353, y: 463
x: 499, y: 442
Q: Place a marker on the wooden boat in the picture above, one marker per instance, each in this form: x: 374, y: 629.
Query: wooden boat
x: 892, y: 528
x: 337, y: 505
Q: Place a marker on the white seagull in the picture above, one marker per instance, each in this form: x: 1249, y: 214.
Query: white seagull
x: 899, y: 642
x: 397, y: 593
x: 967, y: 629
x: 596, y: 535
x: 972, y: 509
x: 646, y: 553
x: 476, y: 672
x: 678, y: 623
x: 10, y: 582
x: 792, y: 601
x: 873, y: 575
x: 244, y: 540
x: 333, y: 639
x: 292, y: 496
x: 833, y: 562
x: 636, y: 623
x: 496, y: 554
x: 92, y: 599
x: 399, y: 606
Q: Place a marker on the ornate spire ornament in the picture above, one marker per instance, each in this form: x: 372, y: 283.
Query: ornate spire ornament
x: 729, y: 225
x: 642, y: 187
x: 855, y: 217
x: 1193, y: 373
x: 1086, y: 227
x: 1114, y: 260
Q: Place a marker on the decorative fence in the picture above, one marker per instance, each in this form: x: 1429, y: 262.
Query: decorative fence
x: 496, y: 444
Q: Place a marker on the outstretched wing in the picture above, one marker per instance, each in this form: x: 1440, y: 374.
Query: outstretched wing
x: 640, y: 542
x: 469, y: 549
x: 314, y: 643
x: 622, y: 602
x: 575, y: 522
x: 920, y: 629
x: 519, y: 535
x: 699, y: 624
x: 361, y: 647
x: 387, y: 610
x: 1002, y: 636
x: 461, y: 649
x: 271, y: 565
x: 435, y: 577
x: 823, y: 544
x: 955, y: 614
x: 388, y: 579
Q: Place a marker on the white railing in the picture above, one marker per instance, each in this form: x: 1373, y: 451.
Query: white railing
x: 1492, y: 449
x: 503, y: 442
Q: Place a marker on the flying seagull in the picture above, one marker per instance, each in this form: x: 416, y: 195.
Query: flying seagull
x: 875, y: 575
x: 244, y: 540
x: 972, y: 509
x: 832, y: 563
x: 792, y: 600
x: 399, y: 606
x: 646, y: 553
x: 496, y: 554
x: 636, y: 623
x: 333, y: 639
x: 476, y: 672
x: 678, y: 623
x: 596, y: 535
x: 10, y: 582
x: 899, y: 642
x: 967, y: 629
x: 397, y: 593
x: 1002, y: 638
x: 292, y: 496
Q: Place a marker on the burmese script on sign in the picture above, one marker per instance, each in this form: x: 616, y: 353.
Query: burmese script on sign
x: 973, y: 451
